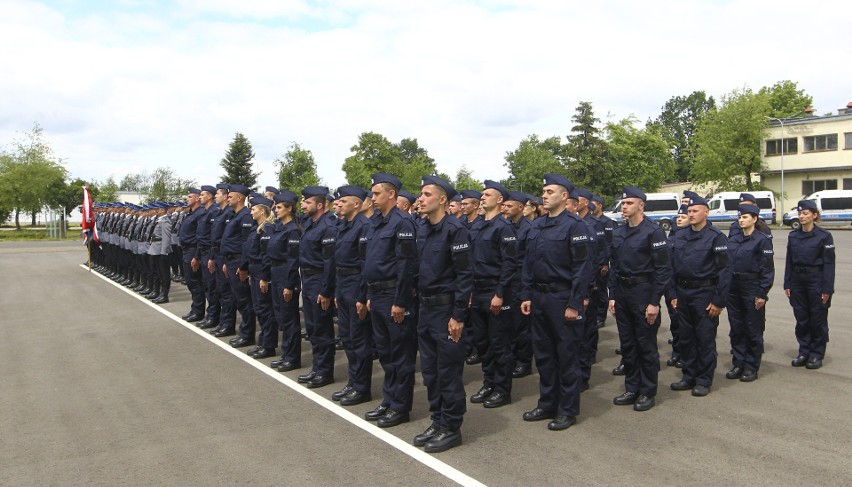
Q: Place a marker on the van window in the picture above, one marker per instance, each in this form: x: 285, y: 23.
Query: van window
x: 714, y: 204
x: 732, y: 204
x: 836, y: 203
x: 662, y: 205
x: 764, y: 203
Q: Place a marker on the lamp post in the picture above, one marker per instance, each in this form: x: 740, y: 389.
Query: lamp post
x: 781, y: 121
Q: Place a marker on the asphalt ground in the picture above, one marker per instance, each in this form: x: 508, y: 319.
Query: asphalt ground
x: 101, y: 388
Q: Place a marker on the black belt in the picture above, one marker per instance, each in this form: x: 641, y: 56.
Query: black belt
x: 552, y: 287
x: 811, y: 269
x: 437, y: 300
x: 746, y: 276
x: 485, y: 282
x: 348, y: 271
x: 233, y: 256
x: 204, y: 248
x: 695, y: 284
x: 184, y: 247
x: 631, y: 280
x: 311, y: 271
x: 277, y: 262
x: 382, y: 285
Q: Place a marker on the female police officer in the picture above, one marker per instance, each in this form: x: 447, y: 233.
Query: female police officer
x: 809, y: 284
x: 753, y: 273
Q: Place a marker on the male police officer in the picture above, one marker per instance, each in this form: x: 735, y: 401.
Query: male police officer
x: 521, y: 342
x: 205, y: 252
x: 702, y: 274
x: 227, y: 308
x: 445, y: 283
x: 556, y: 280
x: 189, y: 246
x: 638, y: 276
x: 388, y: 292
x: 316, y: 260
x: 237, y: 231
x: 470, y: 208
x: 494, y: 266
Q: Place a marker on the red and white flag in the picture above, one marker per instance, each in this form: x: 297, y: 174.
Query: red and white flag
x: 87, y: 224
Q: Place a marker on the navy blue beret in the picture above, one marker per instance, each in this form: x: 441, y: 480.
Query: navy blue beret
x: 746, y: 208
x: 489, y: 184
x: 682, y: 210
x: 559, y: 179
x: 522, y: 198
x: 471, y: 193
x: 584, y: 193
x: 351, y: 191
x: 193, y: 191
x: 410, y: 197
x: 225, y: 186
x: 239, y: 188
x: 208, y: 188
x: 435, y: 180
x: 695, y: 200
x: 633, y: 192
x: 309, y: 191
x: 747, y: 197
x: 286, y: 196
x: 381, y: 177
x: 261, y: 200
x: 272, y: 189
x: 807, y: 205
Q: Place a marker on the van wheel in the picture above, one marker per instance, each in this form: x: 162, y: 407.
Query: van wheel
x: 795, y: 225
x: 666, y: 225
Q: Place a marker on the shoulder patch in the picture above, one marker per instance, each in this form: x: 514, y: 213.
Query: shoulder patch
x: 579, y: 238
x: 720, y: 248
x: 405, y: 235
x: 460, y: 247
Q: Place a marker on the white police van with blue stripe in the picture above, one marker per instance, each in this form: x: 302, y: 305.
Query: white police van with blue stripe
x: 835, y: 207
x: 724, y: 206
x: 659, y: 207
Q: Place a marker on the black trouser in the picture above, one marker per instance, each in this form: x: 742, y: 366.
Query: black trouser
x: 287, y: 317
x: 262, y: 303
x: 227, y: 304
x: 211, y: 290
x: 811, y: 315
x: 442, y: 366
x: 697, y: 335
x: 319, y: 324
x: 639, y: 352
x: 354, y: 332
x: 556, y: 343
x: 242, y: 299
x: 589, y: 346
x: 492, y: 336
x: 163, y: 270
x: 193, y: 282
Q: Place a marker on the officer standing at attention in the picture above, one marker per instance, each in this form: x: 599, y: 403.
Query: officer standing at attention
x: 596, y: 206
x: 205, y: 252
x: 600, y: 256
x: 188, y: 235
x: 638, y: 277
x: 761, y: 226
x: 354, y: 330
x: 227, y: 307
x: 494, y: 266
x: 809, y: 284
x: 681, y: 222
x: 702, y: 273
x: 445, y: 284
x: 259, y: 277
x: 470, y: 208
x: 316, y: 260
x: 282, y: 259
x: 520, y: 341
x: 237, y: 231
x: 556, y: 279
x: 386, y: 291
x: 454, y: 208
x: 405, y: 201
x: 753, y: 271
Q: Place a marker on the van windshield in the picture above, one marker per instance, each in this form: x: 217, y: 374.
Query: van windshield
x: 714, y: 204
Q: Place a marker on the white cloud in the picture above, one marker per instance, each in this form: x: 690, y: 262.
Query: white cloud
x: 120, y: 91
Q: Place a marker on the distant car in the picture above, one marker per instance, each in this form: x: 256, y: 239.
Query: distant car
x: 723, y: 206
x: 659, y: 207
x: 835, y: 208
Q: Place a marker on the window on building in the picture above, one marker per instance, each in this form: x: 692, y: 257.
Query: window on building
x: 847, y: 183
x: 848, y: 144
x: 820, y: 142
x: 773, y: 147
x: 814, y: 185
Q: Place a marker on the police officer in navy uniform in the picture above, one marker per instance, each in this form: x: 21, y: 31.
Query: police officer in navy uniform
x: 227, y: 307
x: 638, y: 277
x: 753, y: 271
x: 681, y: 222
x: 235, y: 266
x: 556, y: 277
x: 809, y: 284
x: 470, y: 208
x: 494, y: 267
x: 762, y: 227
x: 349, y: 261
x: 702, y: 274
x: 405, y: 201
x: 521, y: 340
x: 597, y: 205
x: 597, y: 286
x: 188, y: 235
x: 316, y: 261
x: 259, y: 278
x: 282, y: 260
x: 205, y: 252
x: 387, y: 291
x: 445, y: 284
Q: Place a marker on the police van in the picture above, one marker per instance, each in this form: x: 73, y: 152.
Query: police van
x: 724, y: 206
x: 659, y: 207
x: 835, y: 208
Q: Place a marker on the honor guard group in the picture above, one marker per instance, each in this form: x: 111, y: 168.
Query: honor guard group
x: 495, y: 278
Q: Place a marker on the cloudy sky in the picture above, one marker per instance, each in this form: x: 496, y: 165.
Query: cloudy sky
x: 127, y: 86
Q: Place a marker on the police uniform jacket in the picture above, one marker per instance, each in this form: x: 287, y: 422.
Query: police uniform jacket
x: 255, y: 247
x: 640, y: 254
x: 557, y: 254
x: 282, y: 254
x: 236, y: 232
x: 316, y: 252
x: 350, y: 247
x: 494, y: 252
x: 188, y: 233
x: 752, y: 260
x: 217, y: 229
x: 391, y: 254
x: 205, y: 225
x: 701, y: 260
x: 810, y: 252
x: 445, y: 263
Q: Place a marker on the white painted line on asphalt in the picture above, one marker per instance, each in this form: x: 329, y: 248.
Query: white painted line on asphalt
x: 403, y: 446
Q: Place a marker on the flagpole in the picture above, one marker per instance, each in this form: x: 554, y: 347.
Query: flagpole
x: 89, y: 252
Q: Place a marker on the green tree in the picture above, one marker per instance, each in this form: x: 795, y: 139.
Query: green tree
x: 678, y: 122
x: 297, y: 169
x: 728, y: 141
x: 465, y: 180
x: 375, y: 153
x: 586, y: 163
x: 29, y: 175
x: 164, y: 184
x: 134, y: 182
x: 785, y: 99
x: 108, y: 191
x: 237, y: 162
x: 530, y: 161
x: 640, y: 157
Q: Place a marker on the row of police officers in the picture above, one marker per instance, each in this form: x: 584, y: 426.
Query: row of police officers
x: 492, y: 278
